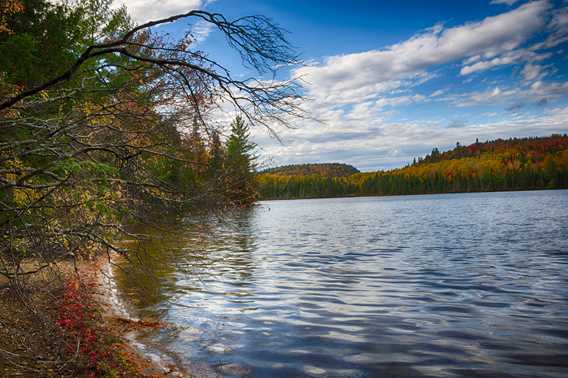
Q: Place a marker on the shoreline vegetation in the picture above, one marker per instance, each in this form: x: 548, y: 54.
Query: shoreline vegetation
x: 411, y: 195
x: 75, y: 328
x: 104, y: 124
x: 493, y: 166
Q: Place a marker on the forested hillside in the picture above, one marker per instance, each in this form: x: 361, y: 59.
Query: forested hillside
x: 513, y: 164
x: 322, y: 169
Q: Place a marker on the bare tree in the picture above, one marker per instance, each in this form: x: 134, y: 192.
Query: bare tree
x: 261, y: 44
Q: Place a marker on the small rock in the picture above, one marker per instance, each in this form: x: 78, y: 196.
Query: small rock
x: 234, y: 369
x: 218, y: 348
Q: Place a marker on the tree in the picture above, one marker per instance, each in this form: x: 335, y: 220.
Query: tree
x: 95, y: 139
x: 216, y: 164
x: 8, y: 8
x: 197, y: 152
x: 241, y: 164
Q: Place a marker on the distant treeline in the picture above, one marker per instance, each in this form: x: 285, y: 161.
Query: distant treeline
x: 513, y: 164
x: 322, y: 169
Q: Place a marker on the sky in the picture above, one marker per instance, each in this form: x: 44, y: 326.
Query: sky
x: 389, y: 80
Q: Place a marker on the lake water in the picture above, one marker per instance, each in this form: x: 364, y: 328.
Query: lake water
x: 409, y: 286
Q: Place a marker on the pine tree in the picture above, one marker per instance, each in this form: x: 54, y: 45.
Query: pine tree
x: 241, y: 164
x: 216, y: 165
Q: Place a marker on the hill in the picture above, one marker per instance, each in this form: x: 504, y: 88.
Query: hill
x: 323, y: 169
x: 534, y: 148
x: 511, y: 164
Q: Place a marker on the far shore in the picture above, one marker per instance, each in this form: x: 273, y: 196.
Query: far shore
x: 413, y: 194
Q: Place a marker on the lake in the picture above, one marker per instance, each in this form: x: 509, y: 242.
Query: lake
x: 429, y: 285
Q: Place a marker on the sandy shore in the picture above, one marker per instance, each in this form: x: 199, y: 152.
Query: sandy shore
x: 31, y: 340
x: 32, y: 345
x: 121, y: 320
x: 120, y: 317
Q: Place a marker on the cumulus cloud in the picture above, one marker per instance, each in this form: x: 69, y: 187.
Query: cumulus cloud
x: 486, y: 64
x: 375, y: 143
x: 359, y: 76
x: 540, y: 89
x: 394, y: 144
x: 477, y: 64
x: 559, y: 29
x: 437, y: 93
x: 356, y: 94
x: 399, y: 100
x: 515, y: 97
x: 493, y: 95
x: 201, y: 30
x: 531, y: 72
x: 530, y: 54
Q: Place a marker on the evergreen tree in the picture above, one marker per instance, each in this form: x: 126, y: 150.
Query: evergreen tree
x: 241, y: 164
x: 216, y: 164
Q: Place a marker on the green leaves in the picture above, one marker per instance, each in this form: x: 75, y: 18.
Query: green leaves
x: 239, y: 143
x: 18, y: 57
x: 85, y: 167
x: 240, y: 164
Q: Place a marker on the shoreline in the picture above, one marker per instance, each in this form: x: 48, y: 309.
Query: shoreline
x: 72, y: 303
x: 119, y: 317
x: 408, y: 195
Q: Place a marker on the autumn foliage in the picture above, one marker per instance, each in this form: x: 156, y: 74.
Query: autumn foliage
x: 88, y: 343
x: 513, y: 164
x: 321, y: 169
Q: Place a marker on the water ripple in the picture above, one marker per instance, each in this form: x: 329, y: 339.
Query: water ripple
x: 450, y: 285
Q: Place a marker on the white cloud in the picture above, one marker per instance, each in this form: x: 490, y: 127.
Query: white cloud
x: 355, y: 94
x: 476, y: 64
x: 536, y: 92
x: 486, y: 64
x: 400, y: 100
x: 532, y: 71
x: 437, y: 93
x: 148, y: 10
x: 352, y: 78
x: 375, y: 143
x: 560, y: 20
x: 494, y: 95
x: 540, y: 89
x: 201, y: 30
x: 559, y: 28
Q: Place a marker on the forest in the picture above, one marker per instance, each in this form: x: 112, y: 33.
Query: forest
x: 499, y: 165
x: 106, y: 123
x: 103, y: 120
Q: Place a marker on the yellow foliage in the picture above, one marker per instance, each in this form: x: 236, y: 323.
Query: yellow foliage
x: 12, y: 164
x: 8, y: 8
x: 25, y: 197
x: 95, y: 115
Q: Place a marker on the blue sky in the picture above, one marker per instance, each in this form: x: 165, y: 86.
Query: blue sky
x: 389, y: 80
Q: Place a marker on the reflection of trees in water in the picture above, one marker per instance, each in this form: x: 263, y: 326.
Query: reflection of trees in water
x: 178, y: 257
x: 233, y: 241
